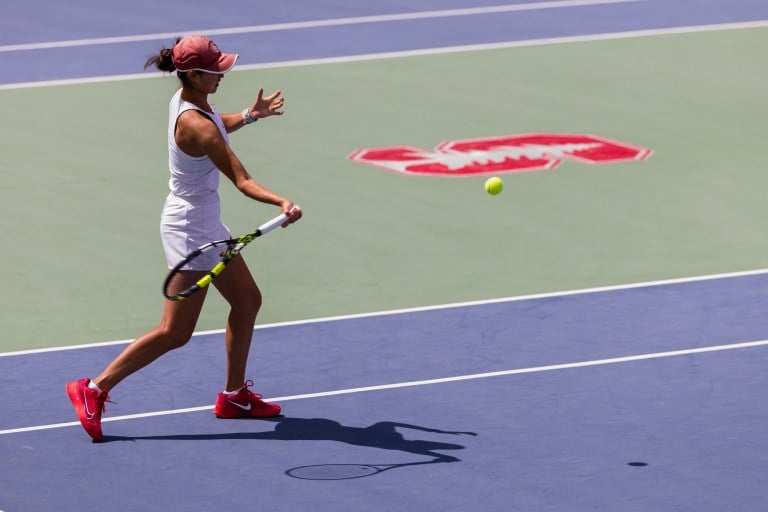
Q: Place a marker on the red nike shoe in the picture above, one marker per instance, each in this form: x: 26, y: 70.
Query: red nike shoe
x: 89, y: 404
x: 244, y: 404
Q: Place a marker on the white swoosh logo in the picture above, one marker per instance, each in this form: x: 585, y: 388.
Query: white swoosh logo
x: 85, y: 403
x: 243, y: 407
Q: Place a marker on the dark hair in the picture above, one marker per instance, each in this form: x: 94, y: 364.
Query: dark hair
x: 164, y: 62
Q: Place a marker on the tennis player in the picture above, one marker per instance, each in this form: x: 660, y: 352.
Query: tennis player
x: 199, y: 150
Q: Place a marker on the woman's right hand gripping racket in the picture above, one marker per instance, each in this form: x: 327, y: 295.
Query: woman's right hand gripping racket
x: 177, y: 285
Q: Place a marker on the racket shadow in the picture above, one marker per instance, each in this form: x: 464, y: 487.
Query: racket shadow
x: 352, y: 471
x: 383, y: 435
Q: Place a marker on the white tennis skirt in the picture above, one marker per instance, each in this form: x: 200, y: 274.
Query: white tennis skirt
x: 186, y: 224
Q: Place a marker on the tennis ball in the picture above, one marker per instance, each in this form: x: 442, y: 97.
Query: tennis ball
x: 494, y: 185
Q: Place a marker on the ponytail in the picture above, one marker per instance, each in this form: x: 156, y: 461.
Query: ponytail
x: 164, y: 62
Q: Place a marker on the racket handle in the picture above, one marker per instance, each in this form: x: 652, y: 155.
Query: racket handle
x: 272, y: 224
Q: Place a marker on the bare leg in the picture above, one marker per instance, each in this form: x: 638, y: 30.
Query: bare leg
x: 239, y: 289
x: 176, y: 328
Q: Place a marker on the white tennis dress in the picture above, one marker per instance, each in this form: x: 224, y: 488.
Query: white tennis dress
x: 192, y: 211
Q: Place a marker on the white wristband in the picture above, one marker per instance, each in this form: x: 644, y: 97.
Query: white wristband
x: 247, y: 117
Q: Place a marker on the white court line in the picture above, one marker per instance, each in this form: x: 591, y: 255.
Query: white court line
x: 414, y: 53
x: 438, y: 307
x: 383, y: 18
x: 519, y: 371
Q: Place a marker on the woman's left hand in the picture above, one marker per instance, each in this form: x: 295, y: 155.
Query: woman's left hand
x: 267, y: 106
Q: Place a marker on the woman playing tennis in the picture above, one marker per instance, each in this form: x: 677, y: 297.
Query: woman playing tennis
x: 198, y: 147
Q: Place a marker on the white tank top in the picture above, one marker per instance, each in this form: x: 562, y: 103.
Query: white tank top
x: 190, y: 175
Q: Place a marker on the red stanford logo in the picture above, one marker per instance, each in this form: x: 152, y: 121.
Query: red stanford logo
x: 495, y: 155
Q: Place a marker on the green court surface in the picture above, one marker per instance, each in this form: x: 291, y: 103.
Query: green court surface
x: 84, y: 178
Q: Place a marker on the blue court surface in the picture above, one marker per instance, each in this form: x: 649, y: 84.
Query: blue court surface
x: 104, y: 43
x: 632, y: 397
x: 635, y: 398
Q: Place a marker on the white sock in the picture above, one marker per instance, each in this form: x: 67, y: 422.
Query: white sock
x: 230, y: 393
x: 93, y: 386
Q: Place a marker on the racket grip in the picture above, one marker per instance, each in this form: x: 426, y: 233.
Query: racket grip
x: 272, y: 224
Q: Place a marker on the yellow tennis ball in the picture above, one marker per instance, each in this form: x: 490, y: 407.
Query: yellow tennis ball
x: 494, y: 185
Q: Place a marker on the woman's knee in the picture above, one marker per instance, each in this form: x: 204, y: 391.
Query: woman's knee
x: 175, y: 338
x: 239, y: 289
x: 247, y: 303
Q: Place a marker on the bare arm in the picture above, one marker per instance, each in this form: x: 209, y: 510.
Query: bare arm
x: 260, y: 108
x: 197, y: 135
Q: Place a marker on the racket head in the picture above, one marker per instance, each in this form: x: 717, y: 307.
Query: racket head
x: 204, y: 264
x: 199, y: 269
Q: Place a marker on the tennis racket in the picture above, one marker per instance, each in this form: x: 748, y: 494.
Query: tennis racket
x: 177, y: 287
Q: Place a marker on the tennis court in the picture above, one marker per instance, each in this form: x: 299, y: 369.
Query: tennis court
x: 590, y: 339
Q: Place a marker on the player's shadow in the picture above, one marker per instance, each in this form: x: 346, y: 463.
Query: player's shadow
x: 383, y: 435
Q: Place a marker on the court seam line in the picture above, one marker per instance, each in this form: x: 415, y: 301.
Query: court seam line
x: 443, y: 380
x: 331, y: 22
x: 413, y: 53
x: 420, y: 309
